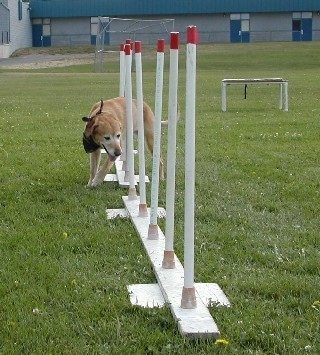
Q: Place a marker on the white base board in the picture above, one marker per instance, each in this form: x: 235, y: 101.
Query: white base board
x: 196, y: 322
x: 120, y: 176
x: 123, y: 213
x: 150, y: 295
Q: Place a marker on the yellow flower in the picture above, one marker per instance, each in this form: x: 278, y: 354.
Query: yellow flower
x: 74, y: 282
x: 65, y: 235
x: 316, y: 303
x: 221, y: 342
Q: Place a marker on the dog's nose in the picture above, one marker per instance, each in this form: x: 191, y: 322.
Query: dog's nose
x: 117, y: 153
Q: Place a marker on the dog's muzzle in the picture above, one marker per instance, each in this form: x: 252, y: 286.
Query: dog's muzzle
x: 89, y: 144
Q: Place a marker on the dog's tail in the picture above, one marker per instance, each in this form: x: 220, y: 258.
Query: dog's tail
x: 165, y: 123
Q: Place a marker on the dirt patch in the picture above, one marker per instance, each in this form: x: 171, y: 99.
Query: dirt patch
x: 38, y: 61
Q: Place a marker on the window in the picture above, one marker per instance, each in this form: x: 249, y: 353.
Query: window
x: 296, y: 25
x: 20, y: 10
x: 94, y: 25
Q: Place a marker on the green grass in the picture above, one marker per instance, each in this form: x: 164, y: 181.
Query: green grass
x: 257, y: 211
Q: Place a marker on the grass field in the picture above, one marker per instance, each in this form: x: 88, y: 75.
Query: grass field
x: 64, y: 267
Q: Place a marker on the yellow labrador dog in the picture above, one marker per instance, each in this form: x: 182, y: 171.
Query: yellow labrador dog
x: 106, y: 127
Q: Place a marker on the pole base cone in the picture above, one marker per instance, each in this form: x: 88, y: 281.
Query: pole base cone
x: 168, y: 259
x: 132, y: 194
x: 188, y: 300
x: 153, y: 233
x: 143, y: 211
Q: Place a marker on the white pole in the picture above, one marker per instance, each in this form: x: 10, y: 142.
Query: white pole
x: 188, y: 299
x: 286, y: 96
x: 153, y: 226
x: 125, y: 164
x: 122, y: 70
x: 129, y: 124
x: 168, y: 255
x: 224, y: 96
x: 143, y: 212
x: 280, y: 96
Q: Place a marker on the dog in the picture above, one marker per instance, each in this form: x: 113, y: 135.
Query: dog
x: 106, y: 129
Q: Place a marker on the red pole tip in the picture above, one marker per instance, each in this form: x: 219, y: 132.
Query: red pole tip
x: 174, y: 40
x: 160, y: 45
x: 192, y: 35
x: 137, y: 46
x: 127, y: 49
x: 128, y: 41
x: 121, y: 47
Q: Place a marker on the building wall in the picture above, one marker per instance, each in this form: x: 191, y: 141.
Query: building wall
x: 213, y: 28
x: 4, y: 23
x: 70, y: 31
x: 316, y: 26
x: 270, y: 27
x: 20, y: 29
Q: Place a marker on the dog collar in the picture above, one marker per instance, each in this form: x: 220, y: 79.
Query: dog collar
x: 89, y: 144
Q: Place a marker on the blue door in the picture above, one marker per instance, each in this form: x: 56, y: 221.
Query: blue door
x: 38, y: 39
x: 37, y: 35
x: 306, y: 24
x: 245, y: 36
x: 235, y: 31
x: 239, y: 28
x: 46, y: 41
x: 302, y: 26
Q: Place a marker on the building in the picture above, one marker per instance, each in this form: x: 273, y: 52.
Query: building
x: 15, y: 26
x: 59, y: 22
x: 74, y: 22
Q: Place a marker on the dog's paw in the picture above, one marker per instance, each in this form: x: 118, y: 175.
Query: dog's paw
x: 95, y: 182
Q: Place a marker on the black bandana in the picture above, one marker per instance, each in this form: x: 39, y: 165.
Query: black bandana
x: 89, y: 144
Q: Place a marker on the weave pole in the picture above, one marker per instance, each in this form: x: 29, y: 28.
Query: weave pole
x: 153, y: 226
x: 168, y: 255
x: 188, y: 299
x: 125, y: 164
x: 191, y: 310
x: 132, y: 194
x: 122, y: 70
x: 122, y: 84
x: 143, y: 212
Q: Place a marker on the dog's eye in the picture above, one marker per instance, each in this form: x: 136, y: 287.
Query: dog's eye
x: 107, y: 138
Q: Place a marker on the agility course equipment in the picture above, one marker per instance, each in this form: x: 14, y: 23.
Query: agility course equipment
x: 153, y: 226
x: 168, y: 254
x: 283, y: 89
x: 188, y: 301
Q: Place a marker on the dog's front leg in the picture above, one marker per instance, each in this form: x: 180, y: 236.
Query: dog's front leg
x: 103, y: 171
x: 94, y: 165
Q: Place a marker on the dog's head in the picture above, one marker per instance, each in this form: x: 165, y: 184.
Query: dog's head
x: 102, y: 131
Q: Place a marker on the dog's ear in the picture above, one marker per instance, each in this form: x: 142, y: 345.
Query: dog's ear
x: 101, y: 107
x: 90, y: 127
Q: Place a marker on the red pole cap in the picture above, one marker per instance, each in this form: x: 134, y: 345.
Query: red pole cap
x: 160, y: 47
x: 174, y: 40
x: 192, y: 35
x: 127, y: 49
x: 121, y: 47
x: 128, y: 41
x: 137, y: 46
